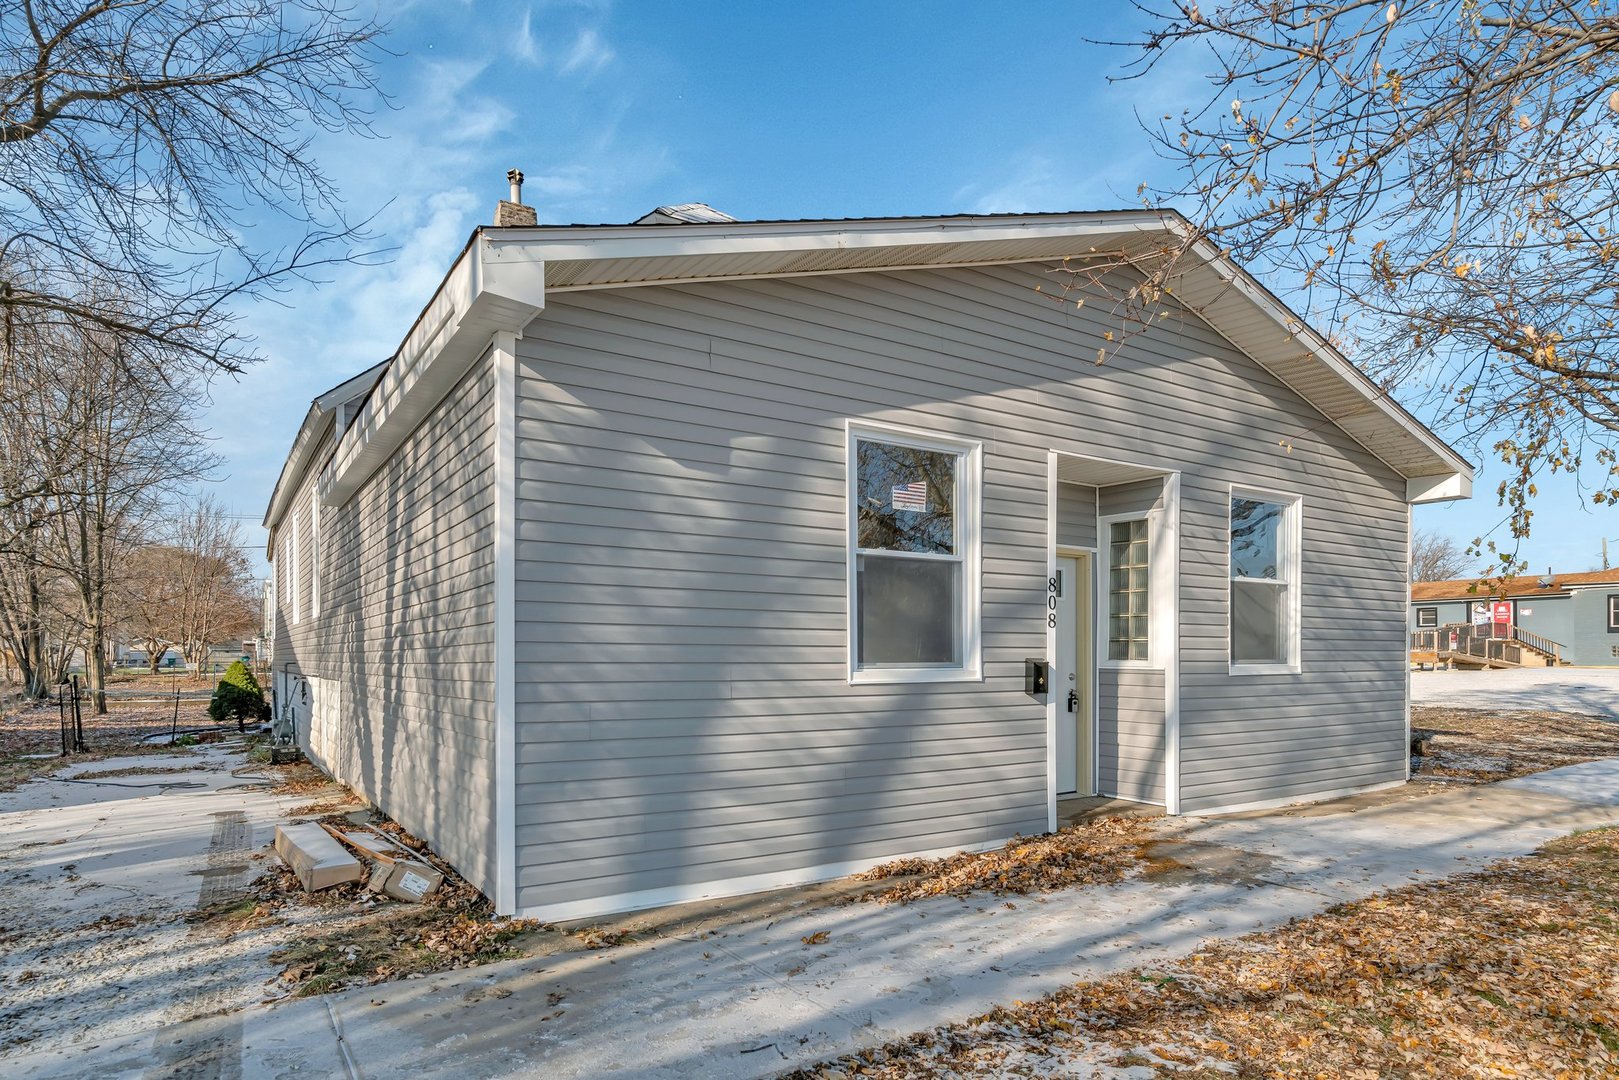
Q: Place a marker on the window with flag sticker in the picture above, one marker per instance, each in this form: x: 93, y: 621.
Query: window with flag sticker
x: 912, y: 552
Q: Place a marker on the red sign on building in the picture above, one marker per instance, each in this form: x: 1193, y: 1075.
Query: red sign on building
x: 1501, y: 612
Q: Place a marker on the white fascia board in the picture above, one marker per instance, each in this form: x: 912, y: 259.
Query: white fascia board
x: 663, y: 241
x: 1322, y: 350
x: 492, y: 288
x: 1446, y: 487
x: 351, y: 388
x: 304, y: 444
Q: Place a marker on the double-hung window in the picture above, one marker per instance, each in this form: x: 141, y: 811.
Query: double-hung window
x: 1613, y: 613
x: 1265, y: 573
x: 913, y: 556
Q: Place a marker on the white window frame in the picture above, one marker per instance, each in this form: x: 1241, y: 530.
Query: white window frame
x: 1613, y: 610
x: 314, y: 552
x: 1160, y: 589
x: 1427, y: 609
x: 294, y: 602
x: 1291, y: 537
x: 968, y: 495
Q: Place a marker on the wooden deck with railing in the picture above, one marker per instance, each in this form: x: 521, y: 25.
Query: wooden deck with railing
x: 1489, y: 645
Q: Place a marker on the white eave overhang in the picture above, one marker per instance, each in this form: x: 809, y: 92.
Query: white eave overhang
x: 492, y: 287
x: 501, y: 279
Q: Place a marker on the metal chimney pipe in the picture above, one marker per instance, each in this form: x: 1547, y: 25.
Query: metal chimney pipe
x: 515, y: 176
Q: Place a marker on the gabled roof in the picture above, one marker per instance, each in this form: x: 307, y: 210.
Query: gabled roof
x: 501, y: 279
x: 307, y: 443
x: 1525, y: 585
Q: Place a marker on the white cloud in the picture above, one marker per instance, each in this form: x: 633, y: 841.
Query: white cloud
x: 589, y: 54
x: 525, y: 46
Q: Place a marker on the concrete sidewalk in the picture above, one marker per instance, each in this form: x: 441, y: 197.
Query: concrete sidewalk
x: 754, y: 999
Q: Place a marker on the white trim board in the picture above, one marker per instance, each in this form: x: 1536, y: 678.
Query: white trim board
x: 503, y: 355
x: 1172, y: 645
x: 1052, y: 461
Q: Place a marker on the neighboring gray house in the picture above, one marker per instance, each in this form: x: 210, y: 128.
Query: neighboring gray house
x: 693, y: 557
x: 1579, y: 612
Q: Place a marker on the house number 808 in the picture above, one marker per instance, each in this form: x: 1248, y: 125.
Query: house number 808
x: 1051, y: 602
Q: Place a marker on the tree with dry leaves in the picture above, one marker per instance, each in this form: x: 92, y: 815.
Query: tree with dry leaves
x: 1436, y: 184
x: 191, y: 587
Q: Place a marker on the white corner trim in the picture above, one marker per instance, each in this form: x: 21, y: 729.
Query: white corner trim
x: 1171, y: 557
x: 503, y: 355
x: 1051, y: 647
x: 617, y: 903
x: 1405, y: 645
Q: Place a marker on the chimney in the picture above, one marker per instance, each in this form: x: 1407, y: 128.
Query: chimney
x: 512, y: 211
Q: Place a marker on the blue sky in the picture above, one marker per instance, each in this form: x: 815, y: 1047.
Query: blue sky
x: 762, y: 110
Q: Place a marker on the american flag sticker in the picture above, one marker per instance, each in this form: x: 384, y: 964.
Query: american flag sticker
x: 912, y: 497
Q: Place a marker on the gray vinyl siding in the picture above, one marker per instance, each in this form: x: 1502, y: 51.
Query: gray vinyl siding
x: 684, y: 713
x: 1076, y: 516
x: 1130, y: 737
x: 405, y: 631
x: 1554, y: 617
x: 1130, y: 734
x: 1589, y: 639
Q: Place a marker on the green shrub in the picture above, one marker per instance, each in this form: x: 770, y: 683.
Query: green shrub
x: 238, y: 697
x: 238, y: 675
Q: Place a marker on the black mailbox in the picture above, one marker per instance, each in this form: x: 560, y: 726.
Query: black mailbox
x: 1036, y: 676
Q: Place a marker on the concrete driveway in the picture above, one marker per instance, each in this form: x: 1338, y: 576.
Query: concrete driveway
x: 751, y: 999
x: 1594, y: 691
x: 96, y: 875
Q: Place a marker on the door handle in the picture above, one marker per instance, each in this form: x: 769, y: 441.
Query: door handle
x: 1073, y: 701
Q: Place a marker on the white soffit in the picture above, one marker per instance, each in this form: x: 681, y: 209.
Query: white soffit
x: 1097, y: 472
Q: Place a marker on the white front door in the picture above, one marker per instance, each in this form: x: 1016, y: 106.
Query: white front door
x: 1071, y: 675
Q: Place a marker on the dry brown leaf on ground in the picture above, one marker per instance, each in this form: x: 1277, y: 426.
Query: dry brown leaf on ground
x: 1481, y: 745
x: 1094, y: 852
x: 1509, y: 971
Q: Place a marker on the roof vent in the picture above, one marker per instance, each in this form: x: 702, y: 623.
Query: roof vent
x: 693, y: 213
x: 512, y: 212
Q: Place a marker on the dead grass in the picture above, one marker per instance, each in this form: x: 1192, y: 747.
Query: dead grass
x: 301, y: 778
x: 350, y: 936
x: 1475, y: 746
x: 1510, y: 971
x: 1095, y: 852
x: 34, y: 728
x: 135, y: 770
x: 361, y: 938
